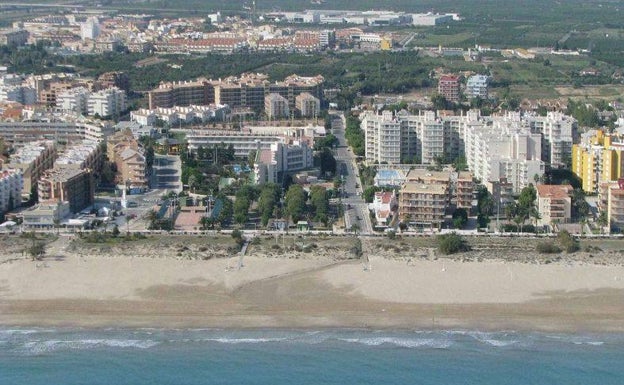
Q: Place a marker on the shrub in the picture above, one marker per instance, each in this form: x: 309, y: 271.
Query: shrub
x: 356, y: 250
x: 569, y: 244
x: 547, y: 247
x: 452, y: 243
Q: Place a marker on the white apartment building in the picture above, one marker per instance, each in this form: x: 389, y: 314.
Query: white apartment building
x: 17, y: 93
x: 32, y: 160
x: 90, y: 29
x: 243, y: 143
x: 410, y: 138
x: 307, y: 104
x: 276, y: 106
x: 17, y: 133
x: 558, y: 131
x: 383, y: 138
x: 477, y: 86
x: 74, y: 100
x: 510, y: 147
x: 11, y: 183
x: 271, y: 164
x: 186, y: 114
x: 108, y: 102
x: 87, y: 154
x: 504, y: 151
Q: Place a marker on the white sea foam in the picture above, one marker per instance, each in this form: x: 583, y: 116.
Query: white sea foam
x: 40, y: 347
x: 576, y: 340
x: 9, y: 332
x: 244, y: 340
x: 402, y: 342
x: 492, y: 339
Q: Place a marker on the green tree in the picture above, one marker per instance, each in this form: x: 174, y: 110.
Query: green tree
x: 355, y: 135
x: 369, y: 193
x: 440, y: 102
x: 320, y: 203
x: 295, y: 201
x: 603, y: 219
x: 580, y: 207
x: 328, y: 141
x: 241, y: 209
x: 251, y: 158
x: 267, y: 201
x: 460, y: 218
x: 326, y: 161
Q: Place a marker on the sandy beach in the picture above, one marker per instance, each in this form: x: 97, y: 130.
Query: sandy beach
x: 320, y: 289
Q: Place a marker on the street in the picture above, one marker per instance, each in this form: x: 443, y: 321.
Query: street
x: 355, y: 209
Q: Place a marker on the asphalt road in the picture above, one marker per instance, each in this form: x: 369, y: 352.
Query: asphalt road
x: 356, y: 210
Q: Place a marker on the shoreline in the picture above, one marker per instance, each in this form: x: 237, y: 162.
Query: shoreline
x: 193, y: 306
x: 324, y: 289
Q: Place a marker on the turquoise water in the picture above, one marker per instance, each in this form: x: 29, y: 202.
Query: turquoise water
x: 155, y: 356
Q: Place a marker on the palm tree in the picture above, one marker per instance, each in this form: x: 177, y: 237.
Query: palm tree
x: 355, y: 228
x: 57, y: 222
x: 534, y: 213
x: 603, y: 220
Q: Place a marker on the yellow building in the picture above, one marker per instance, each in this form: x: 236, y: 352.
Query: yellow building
x: 598, y: 159
x: 385, y: 44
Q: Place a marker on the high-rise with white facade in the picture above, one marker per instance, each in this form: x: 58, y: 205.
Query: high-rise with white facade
x: 307, y: 104
x: 383, y: 138
x: 504, y: 150
x: 513, y: 147
x: 108, y: 102
x: 18, y: 93
x: 558, y: 131
x: 74, y: 100
x: 477, y: 86
x: 271, y: 164
x: 11, y: 182
x: 276, y: 106
x: 90, y: 29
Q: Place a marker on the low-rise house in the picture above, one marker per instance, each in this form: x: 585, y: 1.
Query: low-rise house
x: 383, y: 206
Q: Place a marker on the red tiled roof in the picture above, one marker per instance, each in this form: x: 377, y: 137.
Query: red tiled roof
x: 554, y: 191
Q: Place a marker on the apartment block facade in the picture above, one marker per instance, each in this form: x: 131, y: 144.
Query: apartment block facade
x: 74, y: 100
x: 244, y: 91
x: 554, y: 203
x: 108, y: 102
x: 33, y: 159
x: 199, y: 92
x: 11, y: 185
x: 67, y: 184
x: 449, y: 87
x: 477, y: 86
x: 271, y: 164
x: 276, y: 106
x: 307, y: 105
x: 599, y: 158
x: 495, y: 148
x: 21, y: 133
x: 422, y: 204
x: 126, y: 153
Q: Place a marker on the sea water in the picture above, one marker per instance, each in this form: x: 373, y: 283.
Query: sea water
x: 158, y: 356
